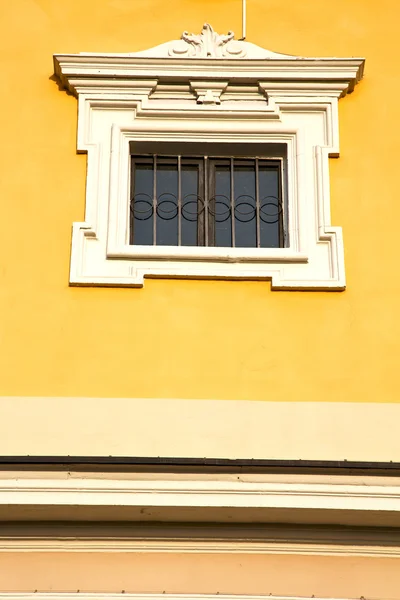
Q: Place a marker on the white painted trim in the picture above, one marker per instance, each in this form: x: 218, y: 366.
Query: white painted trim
x: 200, y: 428
x: 200, y: 492
x: 193, y: 546
x: 298, y: 108
x: 201, y: 498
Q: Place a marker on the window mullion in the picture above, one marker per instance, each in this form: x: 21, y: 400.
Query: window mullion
x: 258, y: 224
x: 206, y: 201
x: 280, y: 208
x: 154, y: 199
x: 232, y: 203
x: 179, y: 201
x: 132, y: 203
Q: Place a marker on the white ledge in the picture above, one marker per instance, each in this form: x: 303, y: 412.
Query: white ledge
x: 213, y: 498
x: 73, y: 69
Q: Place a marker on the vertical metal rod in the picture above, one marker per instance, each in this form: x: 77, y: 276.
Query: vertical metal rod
x: 281, y: 205
x: 206, y: 192
x: 243, y: 19
x: 132, y: 202
x: 154, y: 199
x: 258, y: 224
x: 179, y: 202
x: 232, y: 205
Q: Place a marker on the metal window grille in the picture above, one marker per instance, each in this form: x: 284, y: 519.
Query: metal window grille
x: 206, y: 201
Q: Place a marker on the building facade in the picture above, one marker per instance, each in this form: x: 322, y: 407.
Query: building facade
x: 199, y: 384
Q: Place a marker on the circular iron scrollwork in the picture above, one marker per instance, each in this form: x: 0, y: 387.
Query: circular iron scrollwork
x: 219, y: 206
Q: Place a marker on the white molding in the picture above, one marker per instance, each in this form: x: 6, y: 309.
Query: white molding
x: 201, y: 492
x: 192, y: 546
x: 206, y: 428
x: 288, y: 100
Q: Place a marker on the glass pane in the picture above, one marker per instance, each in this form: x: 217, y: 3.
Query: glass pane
x: 142, y: 204
x: 167, y: 203
x: 192, y: 217
x: 220, y: 205
x: 245, y: 204
x: 270, y: 206
x: 192, y: 205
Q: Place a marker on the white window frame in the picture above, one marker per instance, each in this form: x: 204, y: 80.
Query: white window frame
x: 228, y: 92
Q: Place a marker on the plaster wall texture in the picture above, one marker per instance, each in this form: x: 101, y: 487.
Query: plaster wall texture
x: 345, y: 577
x: 229, y: 429
x: 194, y: 339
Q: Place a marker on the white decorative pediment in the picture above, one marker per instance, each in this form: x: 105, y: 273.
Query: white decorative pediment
x: 218, y: 57
x: 209, y: 44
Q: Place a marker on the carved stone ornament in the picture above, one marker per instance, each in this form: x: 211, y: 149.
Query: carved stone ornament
x: 208, y: 44
x: 211, y: 45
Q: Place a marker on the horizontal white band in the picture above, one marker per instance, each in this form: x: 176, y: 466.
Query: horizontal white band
x: 184, y: 428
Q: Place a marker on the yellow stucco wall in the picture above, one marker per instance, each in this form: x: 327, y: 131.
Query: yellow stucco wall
x: 194, y: 339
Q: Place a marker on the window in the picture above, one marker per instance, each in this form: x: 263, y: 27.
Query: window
x: 206, y: 201
x: 208, y: 158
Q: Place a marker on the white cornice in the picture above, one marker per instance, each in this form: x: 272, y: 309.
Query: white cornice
x: 84, y: 67
x: 192, y: 546
x: 208, y: 55
x: 212, y: 498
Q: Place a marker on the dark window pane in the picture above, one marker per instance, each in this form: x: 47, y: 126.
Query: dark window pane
x: 142, y: 204
x: 167, y: 202
x: 245, y: 204
x: 270, y: 206
x: 220, y: 203
x: 189, y: 213
x: 192, y: 205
